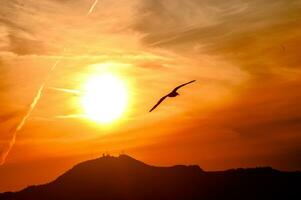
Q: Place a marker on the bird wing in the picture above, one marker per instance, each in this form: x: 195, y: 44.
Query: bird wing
x: 174, y: 90
x: 160, y: 101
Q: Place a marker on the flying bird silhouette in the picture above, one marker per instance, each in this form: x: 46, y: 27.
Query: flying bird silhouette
x: 173, y: 93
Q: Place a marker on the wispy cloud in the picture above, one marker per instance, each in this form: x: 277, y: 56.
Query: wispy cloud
x: 247, y: 91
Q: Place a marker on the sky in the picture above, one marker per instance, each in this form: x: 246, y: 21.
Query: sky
x: 243, y: 110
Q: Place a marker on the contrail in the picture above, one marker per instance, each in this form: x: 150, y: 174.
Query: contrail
x: 71, y: 91
x: 28, y: 113
x: 92, y: 7
x: 70, y: 116
x: 54, y: 118
x: 34, y: 103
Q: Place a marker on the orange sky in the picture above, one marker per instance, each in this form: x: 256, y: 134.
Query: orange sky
x: 243, y: 111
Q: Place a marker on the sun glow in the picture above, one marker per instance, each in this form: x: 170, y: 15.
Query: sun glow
x: 105, y: 99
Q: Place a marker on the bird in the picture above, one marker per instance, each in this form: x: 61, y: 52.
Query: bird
x: 173, y: 93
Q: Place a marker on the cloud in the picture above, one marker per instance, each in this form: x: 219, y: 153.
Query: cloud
x: 247, y: 93
x: 248, y: 33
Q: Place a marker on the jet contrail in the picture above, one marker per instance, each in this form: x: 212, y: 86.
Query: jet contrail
x: 71, y: 91
x: 54, y: 118
x: 70, y: 116
x: 34, y: 103
x: 92, y: 7
x: 27, y: 114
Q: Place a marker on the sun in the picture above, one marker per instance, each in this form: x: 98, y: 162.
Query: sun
x: 105, y: 98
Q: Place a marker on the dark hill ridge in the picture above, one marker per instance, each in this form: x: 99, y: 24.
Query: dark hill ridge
x: 125, y: 178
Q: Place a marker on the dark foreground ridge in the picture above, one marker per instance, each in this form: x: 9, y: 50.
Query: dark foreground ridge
x: 125, y: 178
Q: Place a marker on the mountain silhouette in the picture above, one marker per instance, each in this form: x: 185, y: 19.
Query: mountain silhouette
x: 124, y: 178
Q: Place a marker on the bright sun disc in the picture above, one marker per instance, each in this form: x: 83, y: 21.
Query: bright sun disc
x: 105, y: 98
